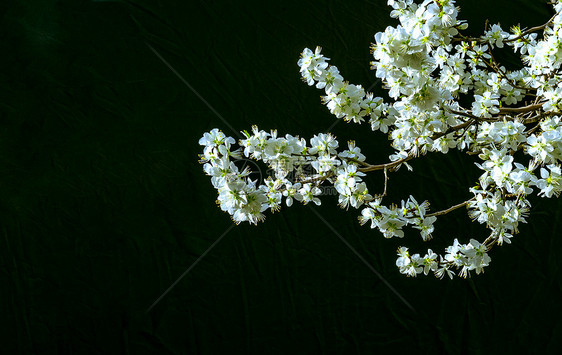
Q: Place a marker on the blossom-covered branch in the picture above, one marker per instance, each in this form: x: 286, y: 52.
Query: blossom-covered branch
x: 447, y: 91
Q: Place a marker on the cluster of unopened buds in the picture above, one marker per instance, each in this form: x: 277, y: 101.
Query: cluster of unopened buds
x: 448, y: 92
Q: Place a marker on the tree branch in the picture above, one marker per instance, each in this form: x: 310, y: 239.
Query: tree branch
x: 531, y: 30
x: 452, y: 208
x: 453, y: 129
x: 386, y: 166
x: 505, y: 110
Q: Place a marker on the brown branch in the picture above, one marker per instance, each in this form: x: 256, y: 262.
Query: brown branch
x: 385, y: 182
x: 494, y: 66
x: 523, y: 34
x: 452, y: 208
x: 531, y: 30
x: 470, y: 115
x: 452, y: 129
x: 387, y: 165
x: 505, y: 110
x: 466, y: 39
x: 536, y: 118
x: 357, y: 161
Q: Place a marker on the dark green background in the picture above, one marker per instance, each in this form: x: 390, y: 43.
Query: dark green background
x: 104, y: 205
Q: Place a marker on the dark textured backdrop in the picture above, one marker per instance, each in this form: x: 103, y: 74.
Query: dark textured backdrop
x: 104, y: 205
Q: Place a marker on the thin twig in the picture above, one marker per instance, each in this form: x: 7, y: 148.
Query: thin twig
x: 385, y: 182
x: 357, y: 161
x: 532, y: 29
x: 470, y: 115
x: 386, y: 166
x: 524, y: 109
x: 439, y: 213
x: 453, y: 129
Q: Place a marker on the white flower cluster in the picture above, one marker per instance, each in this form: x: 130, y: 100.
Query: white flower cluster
x: 298, y: 170
x: 391, y: 220
x: 448, y: 92
x: 463, y: 257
